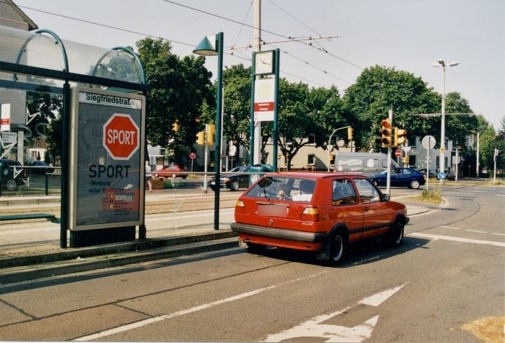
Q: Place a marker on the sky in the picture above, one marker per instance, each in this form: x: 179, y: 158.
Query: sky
x: 332, y: 41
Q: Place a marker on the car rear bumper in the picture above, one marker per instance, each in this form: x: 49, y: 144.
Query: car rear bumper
x: 290, y: 235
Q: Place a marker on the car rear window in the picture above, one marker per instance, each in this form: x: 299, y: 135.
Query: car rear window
x: 284, y: 188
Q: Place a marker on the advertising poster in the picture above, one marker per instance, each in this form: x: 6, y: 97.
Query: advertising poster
x: 107, y: 160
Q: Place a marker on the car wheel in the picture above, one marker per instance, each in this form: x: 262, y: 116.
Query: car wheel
x: 234, y: 186
x: 11, y: 185
x: 415, y: 184
x: 337, y: 248
x: 395, y: 237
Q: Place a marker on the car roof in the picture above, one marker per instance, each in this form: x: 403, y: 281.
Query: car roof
x: 316, y: 175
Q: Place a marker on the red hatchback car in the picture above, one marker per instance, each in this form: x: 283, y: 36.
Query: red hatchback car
x: 317, y: 212
x: 173, y: 170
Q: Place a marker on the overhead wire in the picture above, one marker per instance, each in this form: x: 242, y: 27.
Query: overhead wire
x: 263, y: 30
x: 232, y: 51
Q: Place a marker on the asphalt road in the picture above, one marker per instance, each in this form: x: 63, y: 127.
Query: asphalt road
x: 442, y: 285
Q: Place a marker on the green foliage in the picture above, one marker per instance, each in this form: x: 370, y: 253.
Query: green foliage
x: 433, y: 196
x: 379, y: 89
x: 237, y: 104
x: 47, y: 123
x: 179, y: 88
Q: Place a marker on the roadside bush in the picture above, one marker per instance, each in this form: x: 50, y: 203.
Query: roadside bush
x: 432, y: 195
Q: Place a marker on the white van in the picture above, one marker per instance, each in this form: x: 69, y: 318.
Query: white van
x: 362, y: 162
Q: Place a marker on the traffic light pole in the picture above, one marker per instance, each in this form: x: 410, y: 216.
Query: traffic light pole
x: 388, y: 178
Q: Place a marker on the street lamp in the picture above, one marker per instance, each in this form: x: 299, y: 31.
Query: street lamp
x: 329, y: 143
x: 212, y: 46
x: 441, y: 63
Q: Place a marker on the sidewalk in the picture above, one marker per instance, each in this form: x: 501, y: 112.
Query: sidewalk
x: 36, y: 259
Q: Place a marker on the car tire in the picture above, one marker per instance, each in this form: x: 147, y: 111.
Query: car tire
x: 11, y: 185
x: 337, y: 248
x: 395, y: 236
x: 414, y: 184
x: 234, y: 186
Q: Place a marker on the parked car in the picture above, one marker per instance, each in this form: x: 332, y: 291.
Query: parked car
x: 240, y: 177
x: 38, y: 167
x: 401, y: 177
x: 316, y: 212
x: 173, y: 170
x: 12, y: 174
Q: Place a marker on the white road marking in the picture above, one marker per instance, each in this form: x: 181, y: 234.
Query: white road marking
x: 456, y: 239
x: 201, y: 307
x: 476, y: 231
x: 337, y: 333
x: 450, y: 227
x: 379, y: 298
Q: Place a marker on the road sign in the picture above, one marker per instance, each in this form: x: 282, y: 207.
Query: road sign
x: 428, y: 142
x: 192, y: 156
x: 121, y: 136
x: 398, y: 153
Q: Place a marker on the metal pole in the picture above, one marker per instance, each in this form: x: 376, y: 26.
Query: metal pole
x: 428, y: 164
x: 217, y: 157
x: 388, y: 179
x: 477, y: 164
x: 329, y: 142
x: 65, y: 166
x: 205, y: 160
x: 442, y: 129
x: 276, y: 108
x: 257, y: 47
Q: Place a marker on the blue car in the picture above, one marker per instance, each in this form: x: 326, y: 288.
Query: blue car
x: 401, y: 177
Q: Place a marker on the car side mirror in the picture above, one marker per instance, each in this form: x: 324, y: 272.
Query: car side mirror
x: 386, y: 197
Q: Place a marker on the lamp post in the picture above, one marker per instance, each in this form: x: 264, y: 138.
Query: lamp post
x: 212, y: 46
x: 329, y: 143
x: 441, y: 63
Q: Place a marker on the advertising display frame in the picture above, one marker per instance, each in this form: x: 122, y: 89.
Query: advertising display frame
x: 106, y: 191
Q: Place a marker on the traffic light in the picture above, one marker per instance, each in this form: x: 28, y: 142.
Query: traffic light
x: 211, y: 133
x: 400, y: 136
x: 175, y: 126
x: 386, y: 133
x: 349, y: 133
x: 200, y: 138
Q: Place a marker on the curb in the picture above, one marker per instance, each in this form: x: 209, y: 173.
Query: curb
x: 27, y: 268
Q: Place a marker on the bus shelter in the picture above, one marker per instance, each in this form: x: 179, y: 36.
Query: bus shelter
x: 39, y: 61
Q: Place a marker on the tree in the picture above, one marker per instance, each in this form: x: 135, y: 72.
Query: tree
x: 306, y: 116
x: 237, y: 104
x: 489, y: 141
x: 45, y: 122
x: 327, y: 107
x: 179, y: 88
x: 379, y: 89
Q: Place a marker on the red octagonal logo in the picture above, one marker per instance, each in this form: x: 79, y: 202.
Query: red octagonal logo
x: 121, y: 136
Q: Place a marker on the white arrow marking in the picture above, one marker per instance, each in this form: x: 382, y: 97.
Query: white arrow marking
x: 332, y: 333
x: 379, y: 298
x: 336, y: 333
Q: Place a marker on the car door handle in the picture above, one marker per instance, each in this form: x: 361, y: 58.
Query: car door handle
x: 366, y: 209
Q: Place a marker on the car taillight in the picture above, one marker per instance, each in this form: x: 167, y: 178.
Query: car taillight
x: 240, y: 206
x: 310, y: 214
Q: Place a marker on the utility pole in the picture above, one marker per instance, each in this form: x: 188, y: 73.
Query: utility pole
x: 257, y: 48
